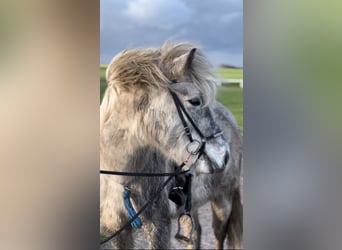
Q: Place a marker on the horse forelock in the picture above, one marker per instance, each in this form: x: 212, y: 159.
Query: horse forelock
x: 155, y: 68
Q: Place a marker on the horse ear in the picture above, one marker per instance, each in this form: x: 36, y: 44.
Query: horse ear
x: 184, y: 62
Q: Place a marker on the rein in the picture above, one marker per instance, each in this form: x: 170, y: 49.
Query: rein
x: 141, y: 174
x: 195, y: 147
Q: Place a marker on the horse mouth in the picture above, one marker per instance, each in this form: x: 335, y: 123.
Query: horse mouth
x: 218, y: 162
x: 216, y: 168
x: 205, y: 165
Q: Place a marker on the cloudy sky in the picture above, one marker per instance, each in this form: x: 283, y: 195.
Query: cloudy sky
x: 216, y: 25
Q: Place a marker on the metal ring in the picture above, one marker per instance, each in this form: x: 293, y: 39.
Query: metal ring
x: 194, y: 147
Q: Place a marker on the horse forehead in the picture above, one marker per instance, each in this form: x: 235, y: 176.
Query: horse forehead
x: 186, y: 88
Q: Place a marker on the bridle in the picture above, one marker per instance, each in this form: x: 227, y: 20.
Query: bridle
x: 195, y: 147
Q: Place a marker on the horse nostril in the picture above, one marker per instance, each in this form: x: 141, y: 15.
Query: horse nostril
x: 226, y: 158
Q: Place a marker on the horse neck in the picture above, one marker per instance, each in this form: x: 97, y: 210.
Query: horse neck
x: 116, y: 145
x: 120, y: 150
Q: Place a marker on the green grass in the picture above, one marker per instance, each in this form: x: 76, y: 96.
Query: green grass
x: 229, y: 73
x: 103, y: 68
x: 232, y: 98
x: 102, y: 90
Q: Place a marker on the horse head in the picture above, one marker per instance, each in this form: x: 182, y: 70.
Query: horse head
x: 163, y: 98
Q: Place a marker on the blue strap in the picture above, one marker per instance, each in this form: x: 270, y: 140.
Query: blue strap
x: 137, y: 223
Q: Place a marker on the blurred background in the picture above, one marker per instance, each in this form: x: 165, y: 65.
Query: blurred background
x: 216, y: 25
x: 49, y: 109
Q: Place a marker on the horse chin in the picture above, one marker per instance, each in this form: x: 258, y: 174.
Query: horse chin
x: 205, y: 166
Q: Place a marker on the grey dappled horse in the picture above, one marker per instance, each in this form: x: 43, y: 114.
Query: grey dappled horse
x: 223, y: 190
x: 140, y: 128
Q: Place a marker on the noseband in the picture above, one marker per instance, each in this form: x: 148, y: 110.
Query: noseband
x: 195, y: 147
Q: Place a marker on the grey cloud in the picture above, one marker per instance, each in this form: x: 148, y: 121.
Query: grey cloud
x: 158, y: 13
x: 214, y: 24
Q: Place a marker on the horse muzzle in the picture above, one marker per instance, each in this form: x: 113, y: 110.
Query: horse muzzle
x: 214, y: 159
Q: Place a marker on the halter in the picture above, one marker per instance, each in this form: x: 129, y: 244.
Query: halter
x: 194, y: 147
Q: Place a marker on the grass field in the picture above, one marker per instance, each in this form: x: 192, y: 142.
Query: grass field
x: 103, y: 68
x: 230, y: 97
x: 229, y: 73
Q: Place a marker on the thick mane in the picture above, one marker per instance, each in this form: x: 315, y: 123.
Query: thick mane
x: 136, y: 68
x: 157, y: 68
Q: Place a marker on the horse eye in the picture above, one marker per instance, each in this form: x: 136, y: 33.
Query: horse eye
x: 195, y: 101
